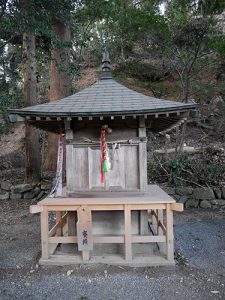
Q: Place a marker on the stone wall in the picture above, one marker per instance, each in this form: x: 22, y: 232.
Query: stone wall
x: 198, y: 197
x: 189, y: 196
x: 23, y: 191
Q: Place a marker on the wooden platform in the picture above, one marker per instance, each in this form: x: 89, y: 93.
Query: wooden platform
x: 74, y: 226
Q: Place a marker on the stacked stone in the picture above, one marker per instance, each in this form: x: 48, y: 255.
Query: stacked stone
x: 23, y: 191
x: 202, y: 197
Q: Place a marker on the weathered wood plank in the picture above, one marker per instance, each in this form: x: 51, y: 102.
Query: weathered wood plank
x: 148, y: 239
x: 84, y: 229
x: 177, y: 206
x: 44, y: 233
x: 143, y: 166
x: 169, y: 233
x: 71, y: 222
x: 127, y: 225
x: 34, y: 209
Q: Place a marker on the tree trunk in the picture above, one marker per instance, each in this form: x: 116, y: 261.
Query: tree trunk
x: 32, y: 147
x: 60, y: 85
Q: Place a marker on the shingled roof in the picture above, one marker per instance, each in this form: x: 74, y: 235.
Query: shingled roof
x: 105, y: 98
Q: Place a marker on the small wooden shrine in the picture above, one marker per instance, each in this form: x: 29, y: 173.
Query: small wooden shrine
x: 107, y: 200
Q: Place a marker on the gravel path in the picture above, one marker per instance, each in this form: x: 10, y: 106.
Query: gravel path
x: 199, y: 273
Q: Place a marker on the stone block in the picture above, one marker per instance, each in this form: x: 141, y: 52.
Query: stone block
x: 218, y: 193
x: 205, y: 204
x: 218, y: 202
x: 6, y: 185
x: 16, y: 196
x: 184, y: 190
x: 46, y: 186
x: 21, y: 188
x: 4, y: 196
x: 213, y: 202
x: 192, y: 203
x: 40, y: 195
x: 32, y: 194
x: 203, y: 194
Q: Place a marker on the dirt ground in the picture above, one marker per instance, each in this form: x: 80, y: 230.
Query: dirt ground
x: 199, y: 273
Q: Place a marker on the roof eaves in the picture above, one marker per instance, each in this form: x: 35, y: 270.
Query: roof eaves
x: 23, y: 112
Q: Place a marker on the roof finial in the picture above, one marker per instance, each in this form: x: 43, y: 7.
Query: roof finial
x: 106, y: 66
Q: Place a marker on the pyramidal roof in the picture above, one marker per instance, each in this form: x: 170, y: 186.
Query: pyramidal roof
x: 105, y: 97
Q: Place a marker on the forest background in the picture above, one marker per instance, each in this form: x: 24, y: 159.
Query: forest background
x: 171, y: 49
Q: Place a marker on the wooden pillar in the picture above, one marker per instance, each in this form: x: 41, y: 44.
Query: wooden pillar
x: 68, y: 130
x: 169, y: 233
x: 44, y: 233
x: 142, y: 155
x: 127, y: 226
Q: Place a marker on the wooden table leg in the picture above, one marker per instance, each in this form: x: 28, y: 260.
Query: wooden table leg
x: 169, y: 233
x: 59, y: 231
x: 85, y: 255
x: 127, y: 225
x: 44, y: 233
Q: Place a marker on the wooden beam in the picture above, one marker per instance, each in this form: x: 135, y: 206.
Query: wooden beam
x: 44, y: 233
x: 58, y: 227
x: 34, y: 209
x: 177, y: 206
x: 127, y: 225
x: 141, y: 122
x: 169, y: 233
x: 148, y: 239
x: 162, y: 226
x: 104, y: 239
x: 63, y: 239
x: 142, y: 156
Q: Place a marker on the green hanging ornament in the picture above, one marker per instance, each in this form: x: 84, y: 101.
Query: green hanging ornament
x: 104, y: 166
